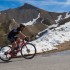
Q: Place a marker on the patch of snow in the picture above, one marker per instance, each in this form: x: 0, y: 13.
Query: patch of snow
x: 51, y: 26
x: 32, y: 22
x: 58, y: 19
x: 42, y: 20
x: 67, y: 15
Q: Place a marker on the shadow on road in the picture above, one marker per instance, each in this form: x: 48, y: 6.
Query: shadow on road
x: 13, y: 60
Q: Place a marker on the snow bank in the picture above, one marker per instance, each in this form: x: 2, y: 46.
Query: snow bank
x: 58, y: 19
x: 67, y: 15
x: 52, y: 38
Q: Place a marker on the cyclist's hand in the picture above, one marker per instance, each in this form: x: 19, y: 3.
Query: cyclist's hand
x: 27, y: 38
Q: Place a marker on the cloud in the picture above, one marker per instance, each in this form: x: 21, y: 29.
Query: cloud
x: 52, y: 2
x: 67, y: 3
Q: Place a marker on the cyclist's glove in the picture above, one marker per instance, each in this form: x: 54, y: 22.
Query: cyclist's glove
x: 27, y: 39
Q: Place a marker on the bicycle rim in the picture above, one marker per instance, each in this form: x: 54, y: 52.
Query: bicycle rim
x: 3, y: 56
x: 28, y: 52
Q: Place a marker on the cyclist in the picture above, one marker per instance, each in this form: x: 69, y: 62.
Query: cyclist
x: 14, y: 38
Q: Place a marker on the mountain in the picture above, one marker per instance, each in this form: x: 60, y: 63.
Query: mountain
x: 39, y: 18
x: 28, y: 12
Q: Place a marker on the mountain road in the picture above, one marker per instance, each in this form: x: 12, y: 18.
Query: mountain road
x: 53, y: 61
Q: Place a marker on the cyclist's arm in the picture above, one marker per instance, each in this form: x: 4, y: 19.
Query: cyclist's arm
x: 22, y: 35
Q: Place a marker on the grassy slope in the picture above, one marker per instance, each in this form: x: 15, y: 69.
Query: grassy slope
x: 3, y: 37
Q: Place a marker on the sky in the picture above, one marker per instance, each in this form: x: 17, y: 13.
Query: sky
x: 49, y: 5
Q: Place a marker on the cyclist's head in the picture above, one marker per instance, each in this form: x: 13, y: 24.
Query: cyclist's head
x: 22, y: 27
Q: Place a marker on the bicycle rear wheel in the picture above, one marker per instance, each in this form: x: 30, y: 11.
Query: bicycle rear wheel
x: 28, y: 51
x: 3, y: 55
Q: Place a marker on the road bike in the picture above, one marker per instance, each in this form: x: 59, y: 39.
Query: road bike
x: 27, y: 50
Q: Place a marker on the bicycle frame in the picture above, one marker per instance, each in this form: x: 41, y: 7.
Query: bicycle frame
x: 22, y: 44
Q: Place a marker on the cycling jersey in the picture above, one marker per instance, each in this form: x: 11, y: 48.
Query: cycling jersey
x: 14, y: 32
x: 12, y: 35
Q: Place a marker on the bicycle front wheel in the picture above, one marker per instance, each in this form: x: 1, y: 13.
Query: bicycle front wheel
x: 28, y: 51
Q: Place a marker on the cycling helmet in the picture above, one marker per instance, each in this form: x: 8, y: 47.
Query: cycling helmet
x: 22, y: 25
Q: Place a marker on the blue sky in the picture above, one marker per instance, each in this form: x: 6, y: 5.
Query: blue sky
x: 49, y: 5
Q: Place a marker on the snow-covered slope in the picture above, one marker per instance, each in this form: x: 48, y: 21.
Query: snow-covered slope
x: 67, y: 15
x: 52, y: 38
x: 58, y: 19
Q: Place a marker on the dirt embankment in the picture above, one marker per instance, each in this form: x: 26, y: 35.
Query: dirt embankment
x: 62, y: 47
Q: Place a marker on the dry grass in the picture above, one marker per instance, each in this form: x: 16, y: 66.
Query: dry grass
x: 3, y: 38
x: 62, y: 47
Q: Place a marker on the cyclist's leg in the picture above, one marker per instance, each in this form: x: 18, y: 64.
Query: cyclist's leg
x: 14, y: 45
x: 13, y: 42
x: 18, y: 41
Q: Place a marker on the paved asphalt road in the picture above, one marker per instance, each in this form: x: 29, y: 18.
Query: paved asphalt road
x: 55, y: 61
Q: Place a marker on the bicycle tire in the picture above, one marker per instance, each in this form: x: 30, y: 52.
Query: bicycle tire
x: 29, y: 56
x: 2, y: 58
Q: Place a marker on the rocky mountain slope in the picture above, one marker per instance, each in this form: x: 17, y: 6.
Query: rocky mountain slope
x: 11, y: 18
